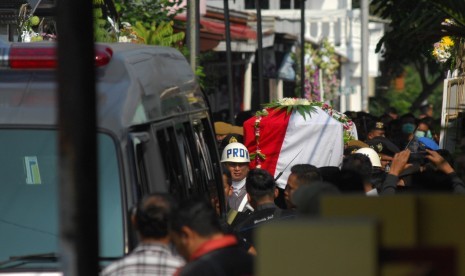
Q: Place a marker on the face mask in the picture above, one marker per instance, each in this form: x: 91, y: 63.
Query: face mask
x: 429, y: 135
x: 408, y: 128
x: 420, y: 133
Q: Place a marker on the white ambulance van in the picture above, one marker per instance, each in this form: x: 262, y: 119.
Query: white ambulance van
x: 154, y: 135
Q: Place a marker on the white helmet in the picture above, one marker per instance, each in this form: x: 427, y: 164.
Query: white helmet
x: 235, y: 152
x: 372, y: 155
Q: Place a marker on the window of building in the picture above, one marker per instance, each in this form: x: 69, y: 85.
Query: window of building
x: 264, y: 4
x: 290, y: 4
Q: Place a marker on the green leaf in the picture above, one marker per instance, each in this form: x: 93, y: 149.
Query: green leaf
x: 253, y: 156
x: 261, y: 113
x: 301, y: 111
x: 289, y: 109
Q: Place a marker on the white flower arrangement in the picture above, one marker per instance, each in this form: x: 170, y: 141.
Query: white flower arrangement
x: 301, y: 105
x: 293, y: 101
x: 321, y: 71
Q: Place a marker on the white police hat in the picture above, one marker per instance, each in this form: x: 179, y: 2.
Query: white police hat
x: 235, y: 152
x: 372, y: 155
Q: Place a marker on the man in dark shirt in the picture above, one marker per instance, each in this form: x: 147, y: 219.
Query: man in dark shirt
x: 196, y: 232
x: 301, y: 174
x: 261, y: 191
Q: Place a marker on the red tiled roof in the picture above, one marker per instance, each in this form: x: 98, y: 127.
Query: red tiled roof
x: 238, y: 31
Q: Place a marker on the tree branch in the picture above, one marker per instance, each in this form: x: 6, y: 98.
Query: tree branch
x: 426, y: 91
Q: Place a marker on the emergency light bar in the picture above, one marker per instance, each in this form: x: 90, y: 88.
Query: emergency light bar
x: 42, y: 56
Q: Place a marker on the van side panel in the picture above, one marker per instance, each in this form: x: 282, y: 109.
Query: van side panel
x: 156, y: 115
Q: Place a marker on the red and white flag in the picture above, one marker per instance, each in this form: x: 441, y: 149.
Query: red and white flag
x: 289, y: 139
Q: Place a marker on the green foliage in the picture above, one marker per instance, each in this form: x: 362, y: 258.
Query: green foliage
x: 415, y: 26
x: 402, y: 100
x: 104, y: 29
x: 152, y: 22
x: 161, y: 34
x: 455, y: 10
x: 147, y: 11
x: 453, y: 29
x: 199, y: 72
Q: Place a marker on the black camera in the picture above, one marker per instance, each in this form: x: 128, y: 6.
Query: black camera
x: 418, y: 158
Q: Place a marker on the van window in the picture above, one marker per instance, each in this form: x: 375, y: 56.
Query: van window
x: 174, y: 173
x: 206, y: 145
x: 29, y: 222
x: 190, y: 160
x: 204, y: 157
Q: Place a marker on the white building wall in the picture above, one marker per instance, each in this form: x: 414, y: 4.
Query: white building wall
x: 275, y: 4
x: 376, y: 33
x: 233, y: 5
x: 328, y: 5
x: 335, y: 20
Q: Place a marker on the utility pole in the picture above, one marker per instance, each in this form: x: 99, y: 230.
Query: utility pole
x: 78, y: 189
x: 193, y: 32
x: 229, y: 70
x: 365, y: 52
x: 302, y: 45
x: 260, y: 53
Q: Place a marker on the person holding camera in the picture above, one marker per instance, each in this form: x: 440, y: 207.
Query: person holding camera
x: 458, y: 187
x: 402, y: 162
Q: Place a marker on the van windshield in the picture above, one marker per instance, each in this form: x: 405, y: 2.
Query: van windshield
x: 29, y: 222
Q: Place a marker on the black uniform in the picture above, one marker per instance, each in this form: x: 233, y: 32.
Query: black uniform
x: 264, y: 213
x: 222, y: 258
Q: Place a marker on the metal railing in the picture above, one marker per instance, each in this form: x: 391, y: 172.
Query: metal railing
x: 452, y: 116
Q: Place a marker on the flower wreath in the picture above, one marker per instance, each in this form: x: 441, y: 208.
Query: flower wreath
x: 303, y: 106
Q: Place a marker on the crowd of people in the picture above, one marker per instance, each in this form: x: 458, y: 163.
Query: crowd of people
x: 181, y: 238
x: 393, y: 154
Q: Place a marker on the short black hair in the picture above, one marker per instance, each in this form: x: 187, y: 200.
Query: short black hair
x: 331, y: 174
x: 408, y: 118
x: 358, y: 163
x: 427, y: 121
x: 356, y: 170
x: 391, y: 110
x: 259, y: 183
x: 306, y: 173
x: 308, y: 198
x: 197, y: 214
x: 153, y: 213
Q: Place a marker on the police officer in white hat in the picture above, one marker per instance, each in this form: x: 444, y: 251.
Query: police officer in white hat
x: 236, y: 159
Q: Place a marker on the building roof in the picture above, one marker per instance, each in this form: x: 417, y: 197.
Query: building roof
x: 238, y: 31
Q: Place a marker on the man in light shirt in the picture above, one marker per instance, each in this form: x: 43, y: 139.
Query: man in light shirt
x: 154, y: 255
